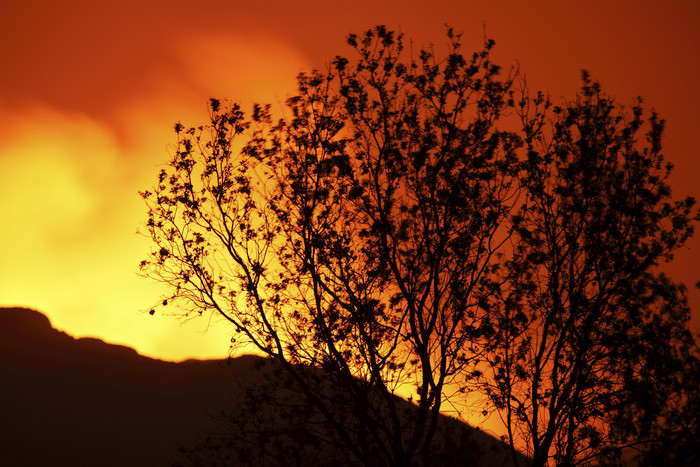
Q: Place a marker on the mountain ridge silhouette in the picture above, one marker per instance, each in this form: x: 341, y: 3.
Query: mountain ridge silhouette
x: 68, y: 401
x: 74, y: 402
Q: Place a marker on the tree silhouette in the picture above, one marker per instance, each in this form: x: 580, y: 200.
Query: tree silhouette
x: 395, y: 234
x: 352, y: 236
x: 585, y: 323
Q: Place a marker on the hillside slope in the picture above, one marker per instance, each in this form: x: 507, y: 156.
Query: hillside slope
x: 83, y: 402
x: 68, y: 401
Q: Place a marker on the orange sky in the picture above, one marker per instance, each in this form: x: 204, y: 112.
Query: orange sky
x: 89, y: 93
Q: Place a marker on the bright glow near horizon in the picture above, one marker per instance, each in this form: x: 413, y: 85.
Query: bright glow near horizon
x: 86, y: 116
x: 71, y: 208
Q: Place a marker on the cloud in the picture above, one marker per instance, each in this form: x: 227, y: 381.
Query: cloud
x: 69, y: 187
x: 68, y: 243
x: 245, y: 68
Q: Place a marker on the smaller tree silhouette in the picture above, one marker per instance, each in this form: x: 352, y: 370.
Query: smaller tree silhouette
x: 585, y: 323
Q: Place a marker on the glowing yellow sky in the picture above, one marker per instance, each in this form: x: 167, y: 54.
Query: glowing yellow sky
x: 89, y: 94
x: 70, y: 206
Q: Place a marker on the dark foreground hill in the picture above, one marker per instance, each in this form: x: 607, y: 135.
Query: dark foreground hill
x: 66, y: 401
x: 82, y: 402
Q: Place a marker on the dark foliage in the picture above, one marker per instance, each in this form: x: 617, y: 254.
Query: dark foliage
x: 590, y: 337
x: 353, y: 236
x: 395, y: 234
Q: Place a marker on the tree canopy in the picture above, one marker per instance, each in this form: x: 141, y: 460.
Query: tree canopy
x: 417, y: 225
x: 584, y: 318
